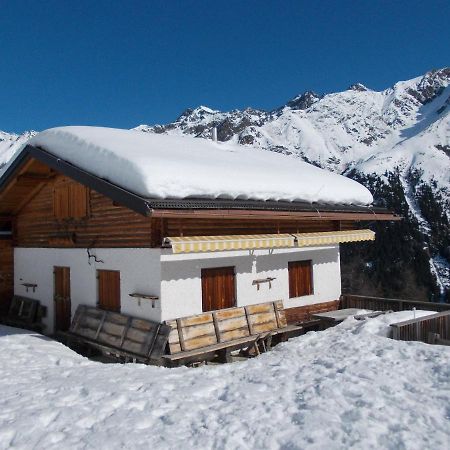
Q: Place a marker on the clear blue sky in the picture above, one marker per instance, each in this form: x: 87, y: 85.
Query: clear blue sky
x: 123, y: 63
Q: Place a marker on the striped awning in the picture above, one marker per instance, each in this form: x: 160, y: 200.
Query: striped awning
x: 333, y: 237
x: 200, y: 244
x: 195, y: 244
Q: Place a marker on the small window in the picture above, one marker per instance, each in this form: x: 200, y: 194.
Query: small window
x: 70, y: 201
x: 300, y: 278
x: 109, y: 290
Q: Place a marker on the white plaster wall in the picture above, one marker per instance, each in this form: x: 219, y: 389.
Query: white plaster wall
x: 140, y: 271
x: 181, y: 290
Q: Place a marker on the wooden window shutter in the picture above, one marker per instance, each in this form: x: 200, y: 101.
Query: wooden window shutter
x: 109, y: 290
x: 78, y: 201
x: 61, y: 202
x: 70, y: 201
x: 300, y: 278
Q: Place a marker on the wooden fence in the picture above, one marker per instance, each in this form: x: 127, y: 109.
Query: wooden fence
x: 386, y: 304
x: 433, y: 329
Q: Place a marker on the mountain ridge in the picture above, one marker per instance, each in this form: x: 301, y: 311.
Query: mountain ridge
x: 395, y: 141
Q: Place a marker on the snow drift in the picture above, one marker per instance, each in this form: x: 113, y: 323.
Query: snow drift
x: 160, y: 166
x: 347, y: 387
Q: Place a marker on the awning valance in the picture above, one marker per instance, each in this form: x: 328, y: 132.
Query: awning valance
x: 195, y: 244
x: 333, y: 237
x: 199, y: 244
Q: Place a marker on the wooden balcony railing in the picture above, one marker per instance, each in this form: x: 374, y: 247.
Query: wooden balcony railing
x: 386, y: 304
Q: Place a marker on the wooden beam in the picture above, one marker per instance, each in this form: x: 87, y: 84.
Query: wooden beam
x: 27, y: 198
x: 13, y: 182
x: 274, y: 215
x: 35, y: 177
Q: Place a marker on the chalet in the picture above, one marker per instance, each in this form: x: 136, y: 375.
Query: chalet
x: 162, y: 227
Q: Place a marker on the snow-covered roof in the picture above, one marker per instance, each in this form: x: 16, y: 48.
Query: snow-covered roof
x: 161, y: 166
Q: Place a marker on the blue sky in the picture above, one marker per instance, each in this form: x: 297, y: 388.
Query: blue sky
x: 123, y: 63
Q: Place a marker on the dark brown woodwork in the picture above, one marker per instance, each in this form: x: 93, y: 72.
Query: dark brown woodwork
x: 63, y: 313
x: 269, y: 214
x: 94, y: 220
x: 70, y: 200
x: 6, y: 274
x: 109, y: 290
x: 106, y: 225
x: 303, y: 313
x: 218, y: 288
x: 300, y: 278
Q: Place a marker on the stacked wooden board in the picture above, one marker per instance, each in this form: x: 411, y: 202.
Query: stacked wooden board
x: 119, y: 334
x: 25, y: 313
x: 224, y: 330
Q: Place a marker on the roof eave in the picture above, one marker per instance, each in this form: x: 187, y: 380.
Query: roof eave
x: 114, y: 192
x: 196, y: 207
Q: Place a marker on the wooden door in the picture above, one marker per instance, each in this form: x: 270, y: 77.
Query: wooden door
x: 6, y: 275
x: 300, y: 278
x: 61, y: 295
x: 218, y: 288
x: 109, y: 290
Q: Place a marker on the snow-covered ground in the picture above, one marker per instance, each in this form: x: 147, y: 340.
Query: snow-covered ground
x: 347, y: 387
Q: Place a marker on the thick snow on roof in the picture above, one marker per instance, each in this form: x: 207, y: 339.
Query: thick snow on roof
x: 161, y: 166
x: 344, y: 388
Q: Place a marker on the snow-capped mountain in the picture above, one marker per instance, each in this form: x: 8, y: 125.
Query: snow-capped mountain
x: 406, y: 126
x: 399, y: 137
x: 10, y: 143
x: 396, y: 141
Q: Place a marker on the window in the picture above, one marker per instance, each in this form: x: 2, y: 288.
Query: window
x: 300, y: 278
x: 70, y: 201
x: 109, y: 290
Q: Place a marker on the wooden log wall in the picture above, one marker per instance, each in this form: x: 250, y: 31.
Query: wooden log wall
x: 213, y: 227
x: 108, y: 225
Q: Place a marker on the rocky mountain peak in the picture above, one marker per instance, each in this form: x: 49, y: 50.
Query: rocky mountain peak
x: 303, y: 101
x: 358, y: 87
x: 431, y: 85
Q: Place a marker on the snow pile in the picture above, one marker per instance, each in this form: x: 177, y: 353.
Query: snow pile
x: 161, y: 166
x: 347, y: 387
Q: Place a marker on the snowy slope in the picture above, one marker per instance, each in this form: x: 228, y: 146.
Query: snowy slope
x: 348, y: 387
x: 11, y: 143
x: 406, y: 125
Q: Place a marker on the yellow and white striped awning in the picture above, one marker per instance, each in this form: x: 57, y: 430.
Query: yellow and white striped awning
x: 333, y: 237
x: 199, y: 244
x: 195, y: 244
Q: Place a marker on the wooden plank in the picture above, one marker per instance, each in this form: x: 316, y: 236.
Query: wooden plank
x: 279, y: 313
x: 195, y: 331
x: 200, y: 341
x: 180, y: 335
x: 230, y: 313
x: 247, y: 341
x: 263, y: 327
x: 232, y: 324
x: 259, y: 308
x: 116, y: 332
x: 196, y: 320
x: 236, y: 333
